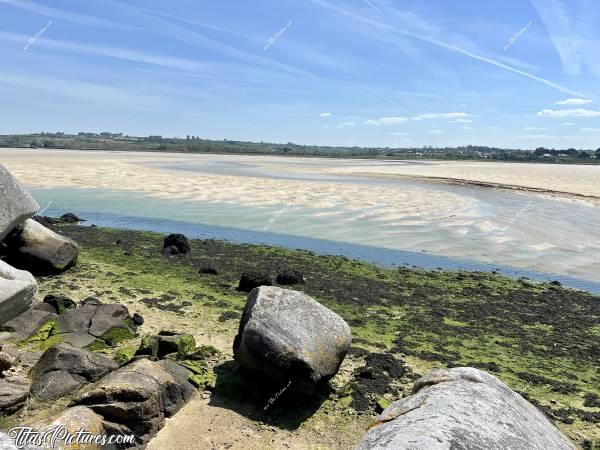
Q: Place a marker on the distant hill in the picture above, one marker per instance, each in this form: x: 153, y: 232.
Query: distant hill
x: 193, y: 144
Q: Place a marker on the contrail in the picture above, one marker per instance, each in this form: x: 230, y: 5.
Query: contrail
x: 372, y: 6
x: 448, y: 47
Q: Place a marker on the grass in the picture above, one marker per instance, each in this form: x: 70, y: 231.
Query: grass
x: 540, y: 339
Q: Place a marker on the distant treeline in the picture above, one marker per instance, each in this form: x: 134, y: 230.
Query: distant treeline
x: 193, y: 144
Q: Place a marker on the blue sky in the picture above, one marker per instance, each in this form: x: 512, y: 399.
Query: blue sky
x: 510, y: 73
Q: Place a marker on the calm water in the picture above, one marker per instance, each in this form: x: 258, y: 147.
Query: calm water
x: 462, y: 244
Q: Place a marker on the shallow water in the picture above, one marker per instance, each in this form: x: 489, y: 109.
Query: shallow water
x: 514, y: 225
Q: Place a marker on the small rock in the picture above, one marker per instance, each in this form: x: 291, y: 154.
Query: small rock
x: 289, y: 277
x: 251, y: 280
x: 208, y: 269
x: 60, y: 303
x: 137, y: 319
x: 179, y: 241
x: 70, y: 218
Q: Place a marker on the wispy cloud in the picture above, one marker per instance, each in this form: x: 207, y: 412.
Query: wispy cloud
x: 534, y: 129
x: 568, y: 124
x: 387, y: 121
x: 589, y: 129
x: 448, y: 46
x: 448, y: 115
x: 398, y: 133
x: 461, y: 121
x: 436, y: 132
x: 572, y: 28
x: 346, y: 124
x: 325, y: 114
x: 373, y: 7
x: 579, y: 112
x: 574, y: 101
x: 128, y: 98
x: 82, y: 19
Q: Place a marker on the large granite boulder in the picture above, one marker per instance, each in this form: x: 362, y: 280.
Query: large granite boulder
x: 16, y: 204
x: 136, y: 397
x: 17, y: 291
x: 463, y: 409
x: 290, y: 337
x: 63, y: 368
x: 40, y: 250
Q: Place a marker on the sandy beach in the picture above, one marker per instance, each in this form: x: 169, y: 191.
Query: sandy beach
x: 129, y: 171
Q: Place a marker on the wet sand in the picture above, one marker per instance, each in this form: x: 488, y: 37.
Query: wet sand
x: 130, y: 171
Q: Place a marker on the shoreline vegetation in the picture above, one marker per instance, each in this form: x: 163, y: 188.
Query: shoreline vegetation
x: 193, y: 144
x: 539, y: 338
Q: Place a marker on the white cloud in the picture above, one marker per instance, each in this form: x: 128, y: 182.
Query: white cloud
x: 536, y: 136
x: 534, y: 129
x: 567, y: 124
x: 387, y: 121
x: 346, y: 124
x: 579, y: 112
x: 461, y: 121
x: 436, y: 132
x: 325, y: 115
x: 466, y: 127
x: 449, y: 115
x: 589, y: 129
x: 397, y: 133
x: 574, y: 101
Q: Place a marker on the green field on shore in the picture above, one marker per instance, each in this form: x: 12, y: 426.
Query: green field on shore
x: 543, y: 340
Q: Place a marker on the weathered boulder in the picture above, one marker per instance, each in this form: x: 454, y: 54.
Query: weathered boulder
x: 66, y: 358
x: 290, y: 337
x: 40, y: 250
x: 16, y: 205
x: 251, y: 280
x: 137, y: 396
x: 54, y: 385
x: 463, y: 408
x: 64, y: 368
x: 14, y: 392
x: 179, y: 241
x: 289, y: 277
x: 17, y: 291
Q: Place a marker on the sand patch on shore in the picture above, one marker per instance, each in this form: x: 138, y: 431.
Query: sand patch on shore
x: 129, y: 172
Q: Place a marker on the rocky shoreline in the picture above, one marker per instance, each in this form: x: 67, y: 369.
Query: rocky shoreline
x: 111, y: 347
